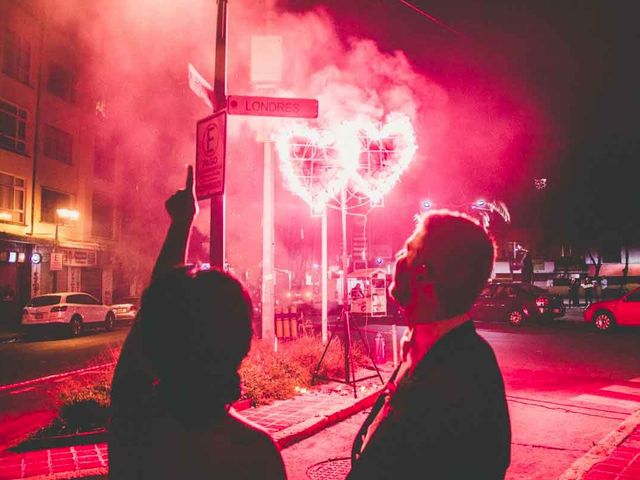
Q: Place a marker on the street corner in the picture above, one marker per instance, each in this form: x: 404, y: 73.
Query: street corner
x: 616, y: 452
x: 16, y: 428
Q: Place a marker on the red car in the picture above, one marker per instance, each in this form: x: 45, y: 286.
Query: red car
x: 624, y: 311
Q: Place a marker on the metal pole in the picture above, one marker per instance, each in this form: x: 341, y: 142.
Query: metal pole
x: 345, y: 290
x: 268, y: 220
x: 217, y: 223
x: 55, y: 250
x: 325, y: 274
x: 394, y: 342
x: 36, y: 122
x: 268, y: 250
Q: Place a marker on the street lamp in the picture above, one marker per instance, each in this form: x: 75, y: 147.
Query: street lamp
x: 426, y: 204
x: 63, y: 217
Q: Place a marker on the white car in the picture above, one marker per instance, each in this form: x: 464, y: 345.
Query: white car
x: 126, y: 308
x: 74, y: 311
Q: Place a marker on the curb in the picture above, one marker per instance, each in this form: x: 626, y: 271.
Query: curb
x: 70, y: 440
x: 601, y: 450
x: 287, y: 437
x: 10, y: 338
x: 99, y: 435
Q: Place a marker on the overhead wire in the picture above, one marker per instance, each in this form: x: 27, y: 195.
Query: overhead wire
x: 435, y: 20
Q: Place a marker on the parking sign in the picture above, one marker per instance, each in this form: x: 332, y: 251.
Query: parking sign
x: 211, y: 145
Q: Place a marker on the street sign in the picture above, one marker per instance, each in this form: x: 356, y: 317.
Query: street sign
x: 272, y: 106
x: 211, y: 135
x: 56, y: 262
x: 200, y: 86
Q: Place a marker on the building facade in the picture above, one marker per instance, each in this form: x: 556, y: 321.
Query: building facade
x: 58, y: 208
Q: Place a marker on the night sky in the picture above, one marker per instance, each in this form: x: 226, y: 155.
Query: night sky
x: 572, y: 65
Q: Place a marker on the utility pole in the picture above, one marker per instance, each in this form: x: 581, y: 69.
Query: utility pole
x: 265, y: 79
x: 325, y: 274
x: 217, y: 223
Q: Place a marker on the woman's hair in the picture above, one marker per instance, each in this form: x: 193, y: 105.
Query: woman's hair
x: 196, y: 330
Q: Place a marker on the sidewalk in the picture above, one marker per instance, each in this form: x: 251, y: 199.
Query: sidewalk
x: 288, y: 421
x: 9, y: 333
x: 615, y: 457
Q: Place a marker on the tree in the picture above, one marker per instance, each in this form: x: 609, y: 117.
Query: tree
x: 527, y: 268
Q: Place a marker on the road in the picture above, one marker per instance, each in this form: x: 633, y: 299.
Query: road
x: 30, y: 359
x: 567, y: 387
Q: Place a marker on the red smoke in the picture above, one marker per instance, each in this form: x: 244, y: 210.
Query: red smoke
x: 469, y: 143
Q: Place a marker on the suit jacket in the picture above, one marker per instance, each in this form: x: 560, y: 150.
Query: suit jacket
x: 449, y: 420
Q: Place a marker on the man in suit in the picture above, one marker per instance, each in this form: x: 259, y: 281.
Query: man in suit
x: 443, y: 414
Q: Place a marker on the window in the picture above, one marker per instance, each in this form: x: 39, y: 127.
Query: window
x: 103, y: 215
x: 92, y: 300
x: 50, y: 202
x: 12, y: 198
x: 103, y: 164
x: 17, y: 57
x: 13, y: 126
x: 634, y: 297
x: 61, y: 82
x: 77, y: 298
x: 57, y: 144
x: 82, y: 299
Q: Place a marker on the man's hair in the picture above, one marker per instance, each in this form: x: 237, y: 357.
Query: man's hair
x: 196, y: 329
x: 458, y: 254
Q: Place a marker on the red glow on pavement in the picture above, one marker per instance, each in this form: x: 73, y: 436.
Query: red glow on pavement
x: 15, y: 428
x: 13, y: 386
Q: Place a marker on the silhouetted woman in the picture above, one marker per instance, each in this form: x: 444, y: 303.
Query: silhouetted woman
x: 177, y: 374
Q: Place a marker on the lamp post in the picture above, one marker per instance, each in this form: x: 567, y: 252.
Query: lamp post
x: 63, y: 217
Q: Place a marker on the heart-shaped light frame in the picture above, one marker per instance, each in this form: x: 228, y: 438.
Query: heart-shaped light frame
x: 385, y: 154
x: 318, y: 164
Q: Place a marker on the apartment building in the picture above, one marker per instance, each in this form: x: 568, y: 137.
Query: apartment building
x: 58, y: 208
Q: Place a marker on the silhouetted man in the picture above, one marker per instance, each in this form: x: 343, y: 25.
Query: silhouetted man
x: 443, y: 414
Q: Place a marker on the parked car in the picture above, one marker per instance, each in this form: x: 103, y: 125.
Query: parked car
x: 72, y: 311
x: 126, y: 308
x: 606, y: 314
x: 517, y: 303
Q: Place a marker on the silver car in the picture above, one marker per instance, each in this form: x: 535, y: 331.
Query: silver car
x: 126, y: 308
x: 73, y: 311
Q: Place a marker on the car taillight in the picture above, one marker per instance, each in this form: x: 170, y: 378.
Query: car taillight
x: 542, y: 302
x: 62, y: 308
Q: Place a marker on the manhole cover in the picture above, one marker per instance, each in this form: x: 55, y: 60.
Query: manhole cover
x: 334, y: 469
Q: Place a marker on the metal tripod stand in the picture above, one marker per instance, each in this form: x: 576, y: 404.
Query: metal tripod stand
x: 349, y: 370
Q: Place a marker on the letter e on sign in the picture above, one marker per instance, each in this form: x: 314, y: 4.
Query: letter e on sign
x: 211, y: 145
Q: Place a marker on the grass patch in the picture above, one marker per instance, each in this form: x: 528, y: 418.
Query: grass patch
x: 268, y: 375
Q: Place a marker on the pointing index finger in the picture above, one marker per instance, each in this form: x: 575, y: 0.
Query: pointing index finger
x: 189, y: 183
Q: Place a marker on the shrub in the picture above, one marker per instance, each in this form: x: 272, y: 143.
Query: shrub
x: 268, y: 375
x: 83, y: 401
